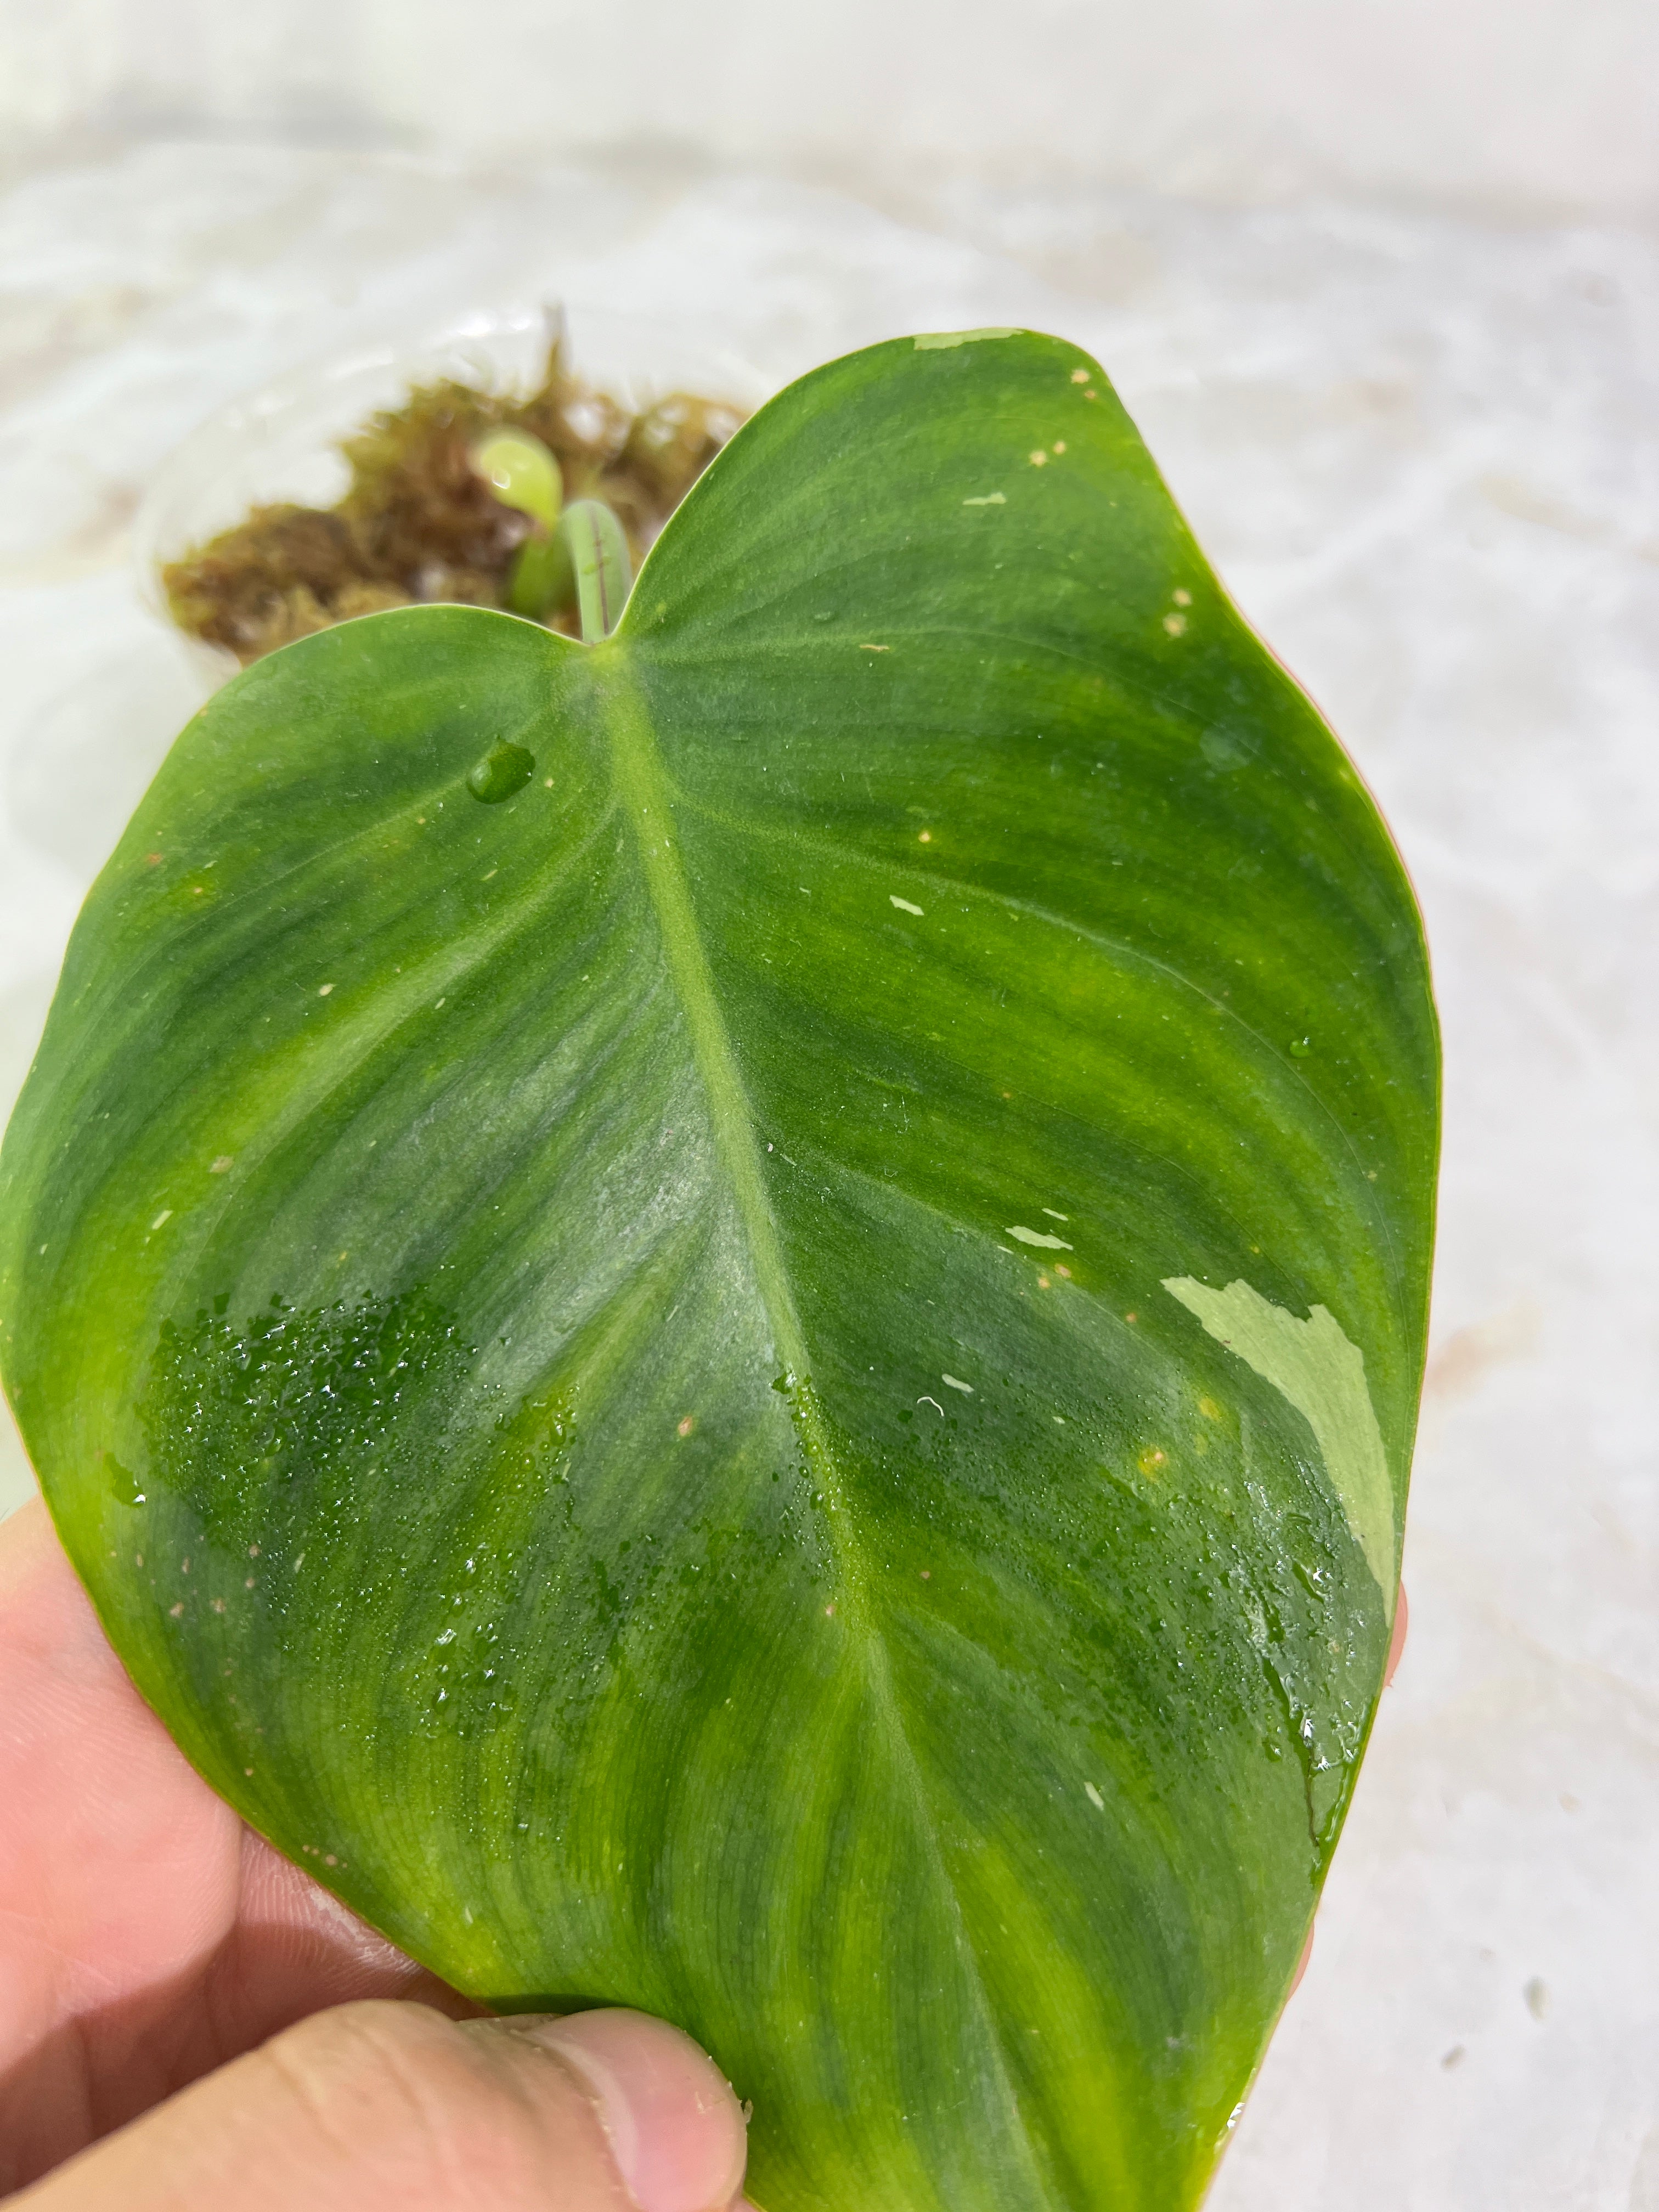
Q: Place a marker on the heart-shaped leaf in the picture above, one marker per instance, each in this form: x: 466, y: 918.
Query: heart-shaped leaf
x: 732, y: 1320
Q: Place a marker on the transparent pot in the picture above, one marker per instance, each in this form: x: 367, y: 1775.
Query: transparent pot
x: 282, y: 442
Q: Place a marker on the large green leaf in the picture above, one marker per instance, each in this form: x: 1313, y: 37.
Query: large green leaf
x: 732, y: 1320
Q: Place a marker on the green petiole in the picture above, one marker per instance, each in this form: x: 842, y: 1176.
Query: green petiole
x: 599, y: 552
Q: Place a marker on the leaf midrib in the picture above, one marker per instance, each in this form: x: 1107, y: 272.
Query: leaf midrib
x: 647, y: 798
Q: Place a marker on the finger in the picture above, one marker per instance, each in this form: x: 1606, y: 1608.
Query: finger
x: 117, y: 1864
x: 391, y: 2108
x: 1301, y: 1963
x: 145, y: 1934
x: 1397, y: 1640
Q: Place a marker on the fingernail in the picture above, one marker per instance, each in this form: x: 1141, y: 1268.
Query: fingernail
x: 673, y: 2123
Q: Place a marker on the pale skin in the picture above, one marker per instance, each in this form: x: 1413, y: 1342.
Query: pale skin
x: 185, y: 2018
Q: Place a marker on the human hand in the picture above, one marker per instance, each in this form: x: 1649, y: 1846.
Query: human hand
x: 186, y: 2018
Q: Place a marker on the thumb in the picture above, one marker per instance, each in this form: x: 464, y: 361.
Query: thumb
x: 389, y: 2107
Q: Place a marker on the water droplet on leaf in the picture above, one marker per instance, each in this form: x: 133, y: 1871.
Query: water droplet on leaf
x: 504, y: 770
x: 126, y: 1488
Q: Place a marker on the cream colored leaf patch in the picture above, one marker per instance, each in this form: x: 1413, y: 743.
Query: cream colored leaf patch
x: 1312, y: 1363
x: 942, y: 341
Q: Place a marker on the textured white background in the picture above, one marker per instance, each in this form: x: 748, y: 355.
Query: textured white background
x: 1502, y: 105
x: 1423, y: 448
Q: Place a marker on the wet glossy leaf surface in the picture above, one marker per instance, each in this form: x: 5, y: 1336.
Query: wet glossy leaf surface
x: 765, y: 1368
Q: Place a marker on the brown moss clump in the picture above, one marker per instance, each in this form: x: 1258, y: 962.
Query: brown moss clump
x: 418, y: 523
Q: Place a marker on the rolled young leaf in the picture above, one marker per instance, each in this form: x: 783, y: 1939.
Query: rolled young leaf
x: 522, y: 472
x: 731, y: 1322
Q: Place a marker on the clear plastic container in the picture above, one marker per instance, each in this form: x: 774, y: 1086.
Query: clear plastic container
x: 282, y: 442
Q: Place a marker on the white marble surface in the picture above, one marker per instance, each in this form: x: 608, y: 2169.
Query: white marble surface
x: 1426, y: 457
x: 1532, y: 103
